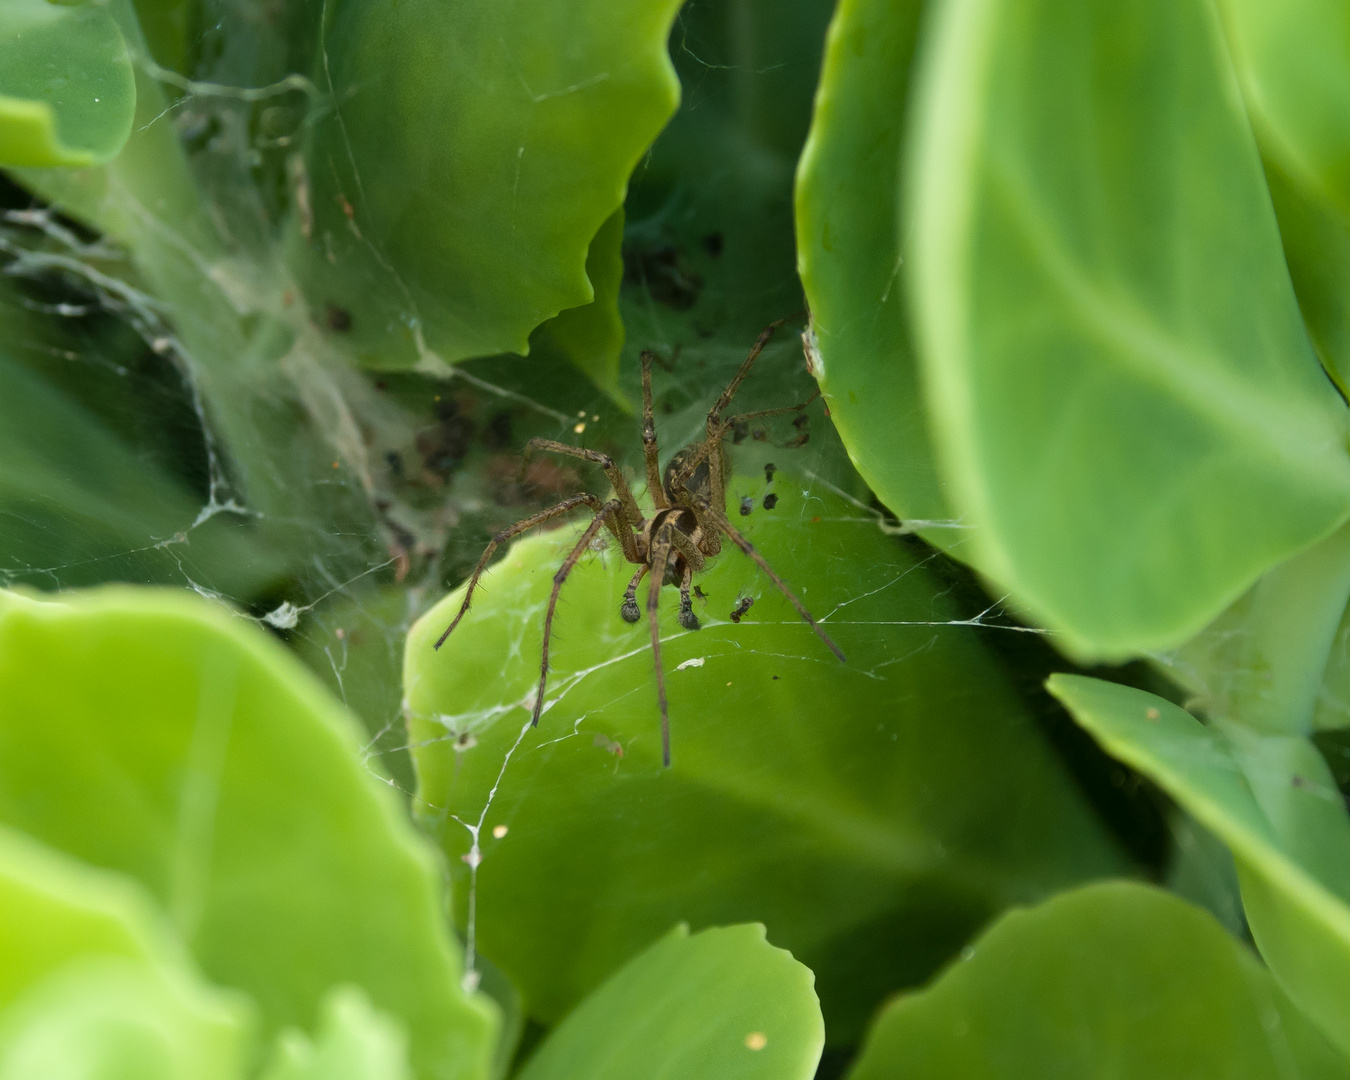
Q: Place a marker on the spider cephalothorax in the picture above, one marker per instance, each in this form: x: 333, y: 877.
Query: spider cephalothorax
x: 683, y: 531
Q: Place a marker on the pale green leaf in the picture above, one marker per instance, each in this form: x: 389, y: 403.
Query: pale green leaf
x: 723, y: 1003
x: 156, y: 734
x: 67, y: 90
x: 1123, y: 397
x: 1273, y: 801
x: 884, y: 807
x: 1114, y: 980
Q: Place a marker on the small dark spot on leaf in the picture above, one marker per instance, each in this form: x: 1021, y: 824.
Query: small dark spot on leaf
x: 712, y: 244
x: 739, y: 430
x: 770, y: 501
x: 758, y: 435
x: 338, y: 319
x: 769, y: 470
x: 801, y: 421
x: 798, y: 440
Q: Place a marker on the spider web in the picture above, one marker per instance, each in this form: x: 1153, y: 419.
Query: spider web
x: 404, y: 476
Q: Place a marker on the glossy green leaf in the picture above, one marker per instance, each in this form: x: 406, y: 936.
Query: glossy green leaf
x: 1317, y: 248
x: 1273, y: 801
x: 155, y: 734
x: 473, y: 153
x: 354, y: 1042
x: 1116, y: 980
x: 91, y: 985
x: 1293, y: 60
x: 67, y: 91
x: 1123, y: 397
x: 850, y: 252
x: 1263, y: 661
x: 880, y: 808
x: 722, y: 1003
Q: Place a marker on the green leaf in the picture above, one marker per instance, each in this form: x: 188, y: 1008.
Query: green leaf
x: 1317, y: 248
x: 1263, y: 661
x: 591, y: 337
x: 1293, y: 60
x: 880, y: 808
x: 473, y: 153
x: 1116, y: 980
x: 1273, y: 801
x: 850, y: 253
x: 1123, y: 397
x: 155, y: 734
x: 92, y: 985
x: 354, y: 1042
x: 723, y: 1003
x: 67, y: 90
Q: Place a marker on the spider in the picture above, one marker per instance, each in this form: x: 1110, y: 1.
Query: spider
x: 683, y: 532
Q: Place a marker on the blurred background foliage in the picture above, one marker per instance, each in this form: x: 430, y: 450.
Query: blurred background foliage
x: 288, y: 285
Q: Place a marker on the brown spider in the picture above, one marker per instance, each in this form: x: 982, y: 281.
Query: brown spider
x: 674, y: 543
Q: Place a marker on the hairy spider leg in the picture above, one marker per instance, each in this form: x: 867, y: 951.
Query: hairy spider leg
x: 628, y: 610
x: 687, y: 545
x: 749, y: 548
x: 564, y: 507
x: 609, y: 510
x: 650, y: 450
x: 616, y: 478
x: 660, y: 554
x: 687, y: 617
x: 715, y: 413
x: 705, y: 448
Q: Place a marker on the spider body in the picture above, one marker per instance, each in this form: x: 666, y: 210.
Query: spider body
x: 668, y: 546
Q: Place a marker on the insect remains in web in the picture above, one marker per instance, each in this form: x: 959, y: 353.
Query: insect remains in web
x: 742, y: 606
x: 669, y: 545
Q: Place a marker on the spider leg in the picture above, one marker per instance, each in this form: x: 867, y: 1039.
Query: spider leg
x: 650, y: 449
x: 749, y: 548
x: 660, y: 555
x: 564, y: 507
x: 732, y: 421
x: 688, y: 547
x: 715, y: 413
x: 597, y: 523
x: 628, y: 610
x: 616, y: 478
x: 705, y: 448
x: 687, y: 617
